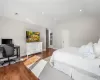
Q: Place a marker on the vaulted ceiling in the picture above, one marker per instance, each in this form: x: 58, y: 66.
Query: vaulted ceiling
x: 48, y: 12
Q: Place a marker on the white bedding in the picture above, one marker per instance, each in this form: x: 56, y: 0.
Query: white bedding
x: 71, y: 56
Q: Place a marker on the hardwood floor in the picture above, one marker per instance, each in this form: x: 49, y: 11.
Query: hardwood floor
x: 45, y: 54
x: 16, y: 71
x: 19, y: 72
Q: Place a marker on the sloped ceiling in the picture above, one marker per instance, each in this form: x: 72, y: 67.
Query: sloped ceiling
x: 48, y: 13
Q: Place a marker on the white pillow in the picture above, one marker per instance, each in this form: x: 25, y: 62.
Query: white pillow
x: 87, y: 48
x: 82, y: 48
x: 97, y: 49
x: 87, y: 51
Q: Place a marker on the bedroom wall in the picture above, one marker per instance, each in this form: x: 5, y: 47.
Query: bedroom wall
x: 82, y: 30
x: 16, y: 30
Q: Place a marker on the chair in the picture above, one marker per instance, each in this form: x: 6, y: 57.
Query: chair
x: 8, y: 51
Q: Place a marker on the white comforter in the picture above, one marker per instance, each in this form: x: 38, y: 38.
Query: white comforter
x: 71, y: 56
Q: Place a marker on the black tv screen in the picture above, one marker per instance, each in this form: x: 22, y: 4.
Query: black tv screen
x: 6, y: 41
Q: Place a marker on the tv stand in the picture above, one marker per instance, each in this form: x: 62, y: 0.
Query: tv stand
x: 33, y: 47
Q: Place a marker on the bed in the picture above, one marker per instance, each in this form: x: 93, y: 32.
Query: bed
x: 72, y: 63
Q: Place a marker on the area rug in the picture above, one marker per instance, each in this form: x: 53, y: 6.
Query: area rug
x: 39, y: 67
x: 31, y: 60
x: 47, y: 59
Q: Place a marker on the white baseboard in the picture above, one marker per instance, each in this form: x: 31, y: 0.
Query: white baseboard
x: 55, y: 48
x: 44, y: 49
x: 50, y: 46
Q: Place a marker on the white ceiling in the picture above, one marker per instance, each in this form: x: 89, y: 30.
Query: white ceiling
x: 48, y: 12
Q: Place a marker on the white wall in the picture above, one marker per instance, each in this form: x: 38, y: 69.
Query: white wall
x: 82, y: 30
x: 16, y: 30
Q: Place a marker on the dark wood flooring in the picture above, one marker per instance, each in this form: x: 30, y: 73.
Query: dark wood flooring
x: 19, y: 71
x: 45, y: 54
x: 16, y: 71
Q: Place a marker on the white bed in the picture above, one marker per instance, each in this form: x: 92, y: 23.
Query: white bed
x: 71, y: 62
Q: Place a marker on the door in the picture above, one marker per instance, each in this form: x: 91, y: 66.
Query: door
x: 65, y: 38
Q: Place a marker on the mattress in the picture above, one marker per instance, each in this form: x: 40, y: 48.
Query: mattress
x: 72, y: 57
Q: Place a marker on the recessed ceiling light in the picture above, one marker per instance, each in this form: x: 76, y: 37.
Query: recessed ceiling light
x: 16, y: 13
x: 80, y: 10
x: 42, y: 12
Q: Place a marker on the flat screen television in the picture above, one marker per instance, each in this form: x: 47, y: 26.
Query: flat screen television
x: 6, y: 41
x: 32, y: 36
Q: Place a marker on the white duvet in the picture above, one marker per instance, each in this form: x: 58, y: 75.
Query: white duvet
x: 71, y: 56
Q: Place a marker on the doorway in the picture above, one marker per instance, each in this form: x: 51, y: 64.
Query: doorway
x: 47, y: 38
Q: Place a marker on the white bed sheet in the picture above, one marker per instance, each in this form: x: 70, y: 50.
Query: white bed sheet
x: 72, y: 57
